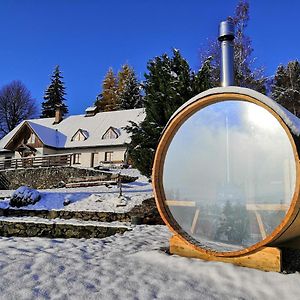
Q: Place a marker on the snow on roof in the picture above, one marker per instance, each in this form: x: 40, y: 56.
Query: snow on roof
x: 91, y: 109
x: 60, y: 135
x: 7, y: 137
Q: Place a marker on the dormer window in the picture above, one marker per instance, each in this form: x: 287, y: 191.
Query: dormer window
x: 80, y: 135
x: 111, y: 133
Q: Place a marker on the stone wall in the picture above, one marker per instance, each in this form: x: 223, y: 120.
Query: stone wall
x: 55, y: 230
x: 47, y: 178
x: 146, y: 212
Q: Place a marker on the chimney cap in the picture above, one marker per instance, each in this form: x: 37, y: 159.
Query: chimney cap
x: 226, y: 31
x: 91, y: 111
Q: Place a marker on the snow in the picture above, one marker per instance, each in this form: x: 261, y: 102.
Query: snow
x: 128, y: 266
x: 74, y: 222
x: 174, y: 74
x: 59, y: 135
x: 97, y: 198
x: 24, y: 196
x: 26, y: 192
x: 91, y: 108
x: 133, y: 265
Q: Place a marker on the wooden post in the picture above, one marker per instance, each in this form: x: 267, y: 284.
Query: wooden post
x: 195, y: 221
x: 119, y: 182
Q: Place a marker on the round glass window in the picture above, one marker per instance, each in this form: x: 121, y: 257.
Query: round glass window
x: 229, y: 175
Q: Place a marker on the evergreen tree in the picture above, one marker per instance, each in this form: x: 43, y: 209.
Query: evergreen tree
x: 234, y: 224
x: 286, y: 87
x: 108, y: 99
x: 245, y: 74
x: 54, y: 96
x: 129, y: 95
x: 169, y: 83
x: 122, y: 77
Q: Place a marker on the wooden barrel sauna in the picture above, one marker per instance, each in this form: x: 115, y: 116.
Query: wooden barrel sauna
x: 226, y: 173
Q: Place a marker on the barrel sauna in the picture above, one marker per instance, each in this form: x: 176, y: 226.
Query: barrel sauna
x: 226, y: 178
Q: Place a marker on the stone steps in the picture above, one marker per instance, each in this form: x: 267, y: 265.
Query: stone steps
x: 146, y: 211
x: 75, y: 224
x: 103, y: 177
x: 89, y: 183
x: 57, y: 228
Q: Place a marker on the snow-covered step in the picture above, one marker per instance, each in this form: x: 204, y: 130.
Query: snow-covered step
x: 89, y: 183
x: 59, y: 228
x: 103, y: 177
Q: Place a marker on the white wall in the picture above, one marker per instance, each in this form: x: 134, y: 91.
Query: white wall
x: 85, y: 154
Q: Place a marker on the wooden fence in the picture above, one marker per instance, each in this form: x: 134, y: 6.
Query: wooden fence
x: 37, y: 161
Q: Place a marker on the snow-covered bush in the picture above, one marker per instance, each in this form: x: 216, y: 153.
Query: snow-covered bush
x: 24, y: 196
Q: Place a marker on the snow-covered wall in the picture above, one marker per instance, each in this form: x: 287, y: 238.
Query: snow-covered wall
x: 45, y: 178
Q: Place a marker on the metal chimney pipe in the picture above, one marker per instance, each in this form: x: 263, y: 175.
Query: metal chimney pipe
x: 226, y: 37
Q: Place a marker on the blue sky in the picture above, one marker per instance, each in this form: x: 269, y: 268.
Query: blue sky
x: 86, y: 37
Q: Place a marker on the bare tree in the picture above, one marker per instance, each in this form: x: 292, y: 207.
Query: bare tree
x: 246, y: 73
x: 16, y: 105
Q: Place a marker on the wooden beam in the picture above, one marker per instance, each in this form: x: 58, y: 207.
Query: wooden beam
x: 180, y: 203
x: 272, y: 207
x: 260, y: 225
x: 195, y: 221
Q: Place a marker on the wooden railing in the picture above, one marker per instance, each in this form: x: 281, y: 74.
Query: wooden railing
x: 37, y: 161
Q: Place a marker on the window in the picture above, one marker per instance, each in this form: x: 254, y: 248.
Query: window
x: 108, y: 156
x: 31, y: 139
x: 80, y: 135
x: 76, y: 158
x: 111, y: 133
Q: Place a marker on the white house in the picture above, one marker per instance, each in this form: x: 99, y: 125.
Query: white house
x: 91, y: 138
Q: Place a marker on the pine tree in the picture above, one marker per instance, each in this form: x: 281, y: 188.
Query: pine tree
x: 54, y: 96
x: 169, y: 83
x: 234, y: 224
x: 245, y: 74
x: 286, y: 87
x: 129, y: 95
x: 122, y: 77
x: 108, y: 99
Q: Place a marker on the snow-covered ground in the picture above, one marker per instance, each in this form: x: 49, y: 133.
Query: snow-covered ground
x: 74, y: 222
x: 97, y: 198
x: 129, y: 266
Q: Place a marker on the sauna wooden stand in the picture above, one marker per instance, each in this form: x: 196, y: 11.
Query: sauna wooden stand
x: 266, y: 258
x: 273, y: 250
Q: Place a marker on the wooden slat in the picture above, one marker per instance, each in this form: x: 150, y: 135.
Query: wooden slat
x: 37, y: 161
x: 180, y: 203
x: 195, y: 221
x: 267, y: 207
x: 260, y: 225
